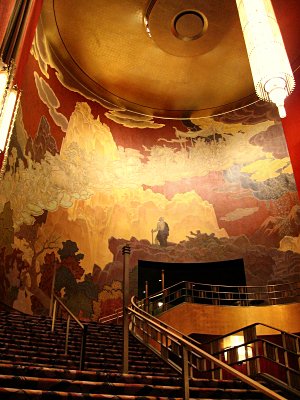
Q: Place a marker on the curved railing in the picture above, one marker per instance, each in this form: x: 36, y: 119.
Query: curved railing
x: 182, y: 353
x: 203, y: 293
x: 275, y: 356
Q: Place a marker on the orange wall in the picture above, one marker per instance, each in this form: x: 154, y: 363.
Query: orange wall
x: 219, y: 320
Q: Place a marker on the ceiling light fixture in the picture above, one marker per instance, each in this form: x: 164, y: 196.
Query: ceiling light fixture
x: 271, y: 71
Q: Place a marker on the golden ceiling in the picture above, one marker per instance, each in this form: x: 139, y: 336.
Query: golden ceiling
x: 167, y: 58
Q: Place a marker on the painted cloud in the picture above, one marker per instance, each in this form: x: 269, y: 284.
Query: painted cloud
x: 49, y: 98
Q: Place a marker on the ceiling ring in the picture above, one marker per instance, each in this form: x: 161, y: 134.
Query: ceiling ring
x: 189, y: 25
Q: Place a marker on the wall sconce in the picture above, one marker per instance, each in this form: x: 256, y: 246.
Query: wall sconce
x: 271, y: 71
x: 9, y: 103
x: 9, y: 96
x: 7, y: 116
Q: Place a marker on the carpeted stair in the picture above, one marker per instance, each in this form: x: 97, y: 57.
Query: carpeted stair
x: 33, y: 366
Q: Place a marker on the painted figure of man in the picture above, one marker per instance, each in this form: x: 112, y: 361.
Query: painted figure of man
x: 162, y: 230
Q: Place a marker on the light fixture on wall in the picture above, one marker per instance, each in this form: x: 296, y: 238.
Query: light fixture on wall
x: 241, y: 351
x: 271, y: 71
x: 8, y: 102
x: 3, y: 83
x: 7, y: 116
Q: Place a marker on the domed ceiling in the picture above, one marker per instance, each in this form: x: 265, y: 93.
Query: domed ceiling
x: 165, y: 58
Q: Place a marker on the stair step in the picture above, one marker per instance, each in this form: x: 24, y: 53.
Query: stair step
x: 33, y: 366
x: 22, y: 394
x: 72, y: 351
x: 116, y: 388
x: 75, y: 374
x: 79, y: 386
x: 67, y: 363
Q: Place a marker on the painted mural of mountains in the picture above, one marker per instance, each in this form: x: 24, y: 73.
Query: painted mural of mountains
x: 274, y: 229
x: 262, y: 264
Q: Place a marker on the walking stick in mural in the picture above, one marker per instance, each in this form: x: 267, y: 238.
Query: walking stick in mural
x: 152, y: 235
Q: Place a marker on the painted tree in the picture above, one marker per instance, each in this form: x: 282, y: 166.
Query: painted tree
x: 6, y: 228
x: 12, y: 266
x: 77, y: 295
x: 109, y: 300
x: 47, y: 269
x: 37, y: 245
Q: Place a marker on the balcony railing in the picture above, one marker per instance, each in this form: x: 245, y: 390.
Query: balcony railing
x: 202, y: 293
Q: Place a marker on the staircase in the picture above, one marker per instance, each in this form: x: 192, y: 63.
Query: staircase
x: 33, y: 366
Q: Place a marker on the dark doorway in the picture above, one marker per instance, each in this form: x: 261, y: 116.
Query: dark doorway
x: 229, y: 273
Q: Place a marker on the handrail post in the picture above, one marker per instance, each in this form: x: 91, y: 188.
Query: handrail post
x: 52, y: 291
x: 83, y: 345
x: 162, y: 279
x: 54, y: 315
x: 126, y: 255
x: 185, y: 373
x: 164, y: 299
x: 146, y: 297
x: 67, y: 334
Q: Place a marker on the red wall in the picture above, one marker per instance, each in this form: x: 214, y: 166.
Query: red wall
x: 291, y: 126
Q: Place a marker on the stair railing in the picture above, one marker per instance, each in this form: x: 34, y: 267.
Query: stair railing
x: 57, y: 301
x: 115, y: 317
x: 276, y: 354
x: 181, y: 353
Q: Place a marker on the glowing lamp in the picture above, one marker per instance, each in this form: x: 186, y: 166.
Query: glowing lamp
x: 3, y: 84
x: 237, y: 341
x: 271, y: 71
x: 7, y: 116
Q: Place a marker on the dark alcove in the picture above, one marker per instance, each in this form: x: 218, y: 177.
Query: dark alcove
x: 228, y: 273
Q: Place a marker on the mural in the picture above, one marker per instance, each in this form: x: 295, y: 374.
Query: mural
x: 83, y: 180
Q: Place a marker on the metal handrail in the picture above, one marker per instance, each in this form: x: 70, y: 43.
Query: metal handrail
x: 117, y: 315
x: 84, y: 328
x: 179, y: 351
x: 204, y: 293
x: 253, y: 325
x: 285, y: 355
x: 239, y: 296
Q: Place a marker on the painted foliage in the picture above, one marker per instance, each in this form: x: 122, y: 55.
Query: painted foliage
x: 82, y: 180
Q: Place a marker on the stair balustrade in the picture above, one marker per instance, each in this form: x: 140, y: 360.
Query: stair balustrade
x: 57, y: 302
x: 180, y: 352
x: 275, y: 356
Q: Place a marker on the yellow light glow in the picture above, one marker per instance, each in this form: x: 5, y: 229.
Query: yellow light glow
x: 243, y: 352
x: 6, y: 117
x: 271, y: 71
x: 3, y: 84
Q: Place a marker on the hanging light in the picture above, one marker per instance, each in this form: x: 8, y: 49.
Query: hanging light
x: 271, y: 71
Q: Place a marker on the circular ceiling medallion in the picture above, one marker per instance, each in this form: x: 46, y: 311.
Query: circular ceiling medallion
x: 186, y: 67
x: 189, y: 25
x: 190, y: 28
